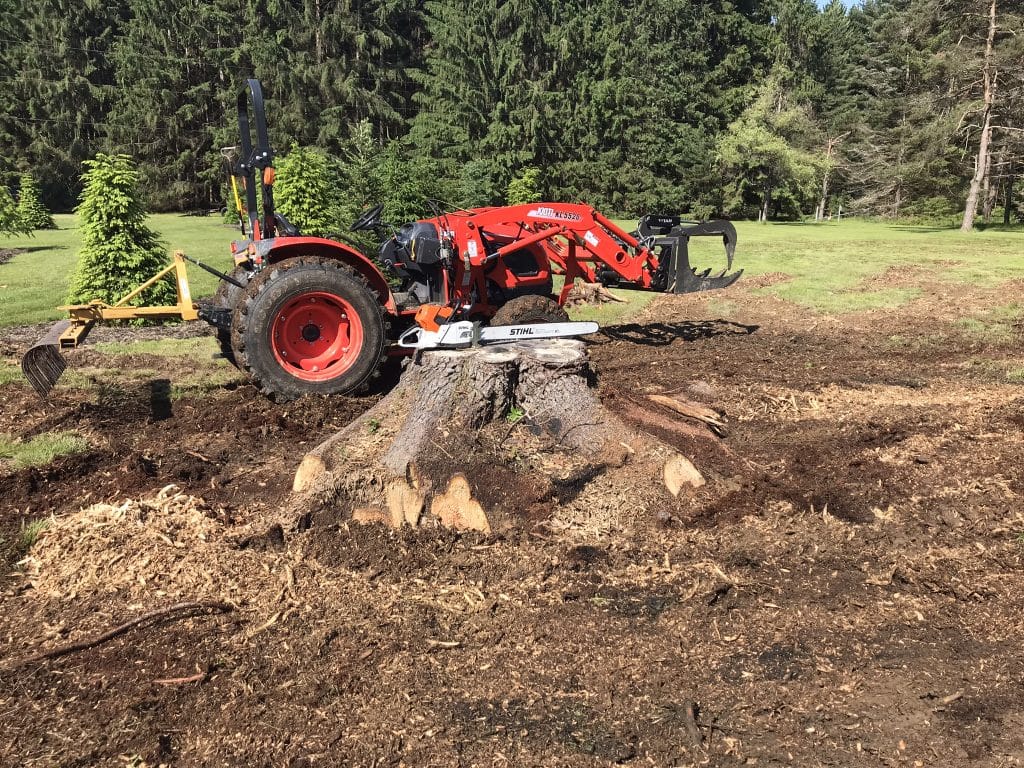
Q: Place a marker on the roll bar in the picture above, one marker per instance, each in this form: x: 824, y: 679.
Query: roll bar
x: 256, y: 158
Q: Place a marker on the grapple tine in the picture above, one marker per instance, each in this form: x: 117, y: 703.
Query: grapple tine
x: 695, y: 283
x: 43, y: 363
x: 678, y: 275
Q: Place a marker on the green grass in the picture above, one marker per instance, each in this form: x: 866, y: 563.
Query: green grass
x: 1015, y: 375
x: 612, y: 312
x: 830, y: 263
x: 9, y: 372
x: 41, y: 449
x: 30, y: 533
x: 995, y: 324
x: 199, y: 347
x: 11, y: 552
x: 34, y: 283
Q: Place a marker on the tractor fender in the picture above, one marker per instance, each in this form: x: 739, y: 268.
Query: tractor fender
x: 285, y: 248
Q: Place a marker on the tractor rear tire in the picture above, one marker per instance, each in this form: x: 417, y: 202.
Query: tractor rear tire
x: 527, y: 310
x: 226, y: 297
x: 308, y: 326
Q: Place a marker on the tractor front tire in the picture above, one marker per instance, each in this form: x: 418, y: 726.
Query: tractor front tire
x: 308, y: 326
x: 527, y: 310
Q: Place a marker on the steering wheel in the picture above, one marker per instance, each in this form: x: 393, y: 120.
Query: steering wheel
x: 368, y: 219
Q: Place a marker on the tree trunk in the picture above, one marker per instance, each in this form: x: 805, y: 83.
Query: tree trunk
x: 989, y: 193
x: 981, y: 164
x: 434, y: 446
x: 765, y: 203
x: 819, y: 212
x: 1008, y: 199
x: 830, y: 149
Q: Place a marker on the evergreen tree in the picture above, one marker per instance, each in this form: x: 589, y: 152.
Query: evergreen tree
x: 172, y: 108
x: 307, y: 191
x: 337, y: 63
x: 475, y: 185
x: 60, y: 88
x: 359, y: 173
x: 10, y: 222
x: 524, y: 188
x: 409, y: 180
x: 622, y: 105
x: 462, y: 86
x: 31, y: 211
x: 119, y: 252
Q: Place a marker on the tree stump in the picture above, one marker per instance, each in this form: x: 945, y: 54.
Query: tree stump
x: 438, y: 444
x: 590, y: 293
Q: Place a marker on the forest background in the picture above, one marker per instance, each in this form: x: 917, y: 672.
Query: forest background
x: 766, y: 109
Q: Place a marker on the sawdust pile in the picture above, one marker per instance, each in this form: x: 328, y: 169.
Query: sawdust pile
x: 169, y: 546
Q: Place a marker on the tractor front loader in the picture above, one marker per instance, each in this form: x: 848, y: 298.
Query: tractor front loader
x: 302, y: 314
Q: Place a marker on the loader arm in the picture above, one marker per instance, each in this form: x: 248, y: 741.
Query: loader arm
x: 581, y: 242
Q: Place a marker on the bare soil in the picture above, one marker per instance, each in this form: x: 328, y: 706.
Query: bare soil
x: 845, y: 590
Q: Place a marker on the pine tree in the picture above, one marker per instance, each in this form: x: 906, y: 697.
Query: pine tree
x: 475, y: 185
x: 60, y: 89
x: 10, y: 222
x: 359, y: 174
x: 408, y: 179
x: 339, y: 64
x: 172, y: 108
x: 31, y: 211
x: 119, y: 252
x: 307, y: 191
x: 524, y: 188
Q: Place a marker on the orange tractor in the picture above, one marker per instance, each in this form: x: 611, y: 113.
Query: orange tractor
x: 305, y: 314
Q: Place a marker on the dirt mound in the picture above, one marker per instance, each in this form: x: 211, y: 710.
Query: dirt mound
x: 171, y: 546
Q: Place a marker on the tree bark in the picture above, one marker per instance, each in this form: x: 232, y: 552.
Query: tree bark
x: 989, y: 192
x: 1008, y: 199
x: 830, y: 149
x: 424, y: 446
x: 765, y: 203
x: 982, y: 160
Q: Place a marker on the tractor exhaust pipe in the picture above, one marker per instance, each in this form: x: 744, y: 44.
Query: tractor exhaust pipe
x: 669, y: 238
x: 43, y: 363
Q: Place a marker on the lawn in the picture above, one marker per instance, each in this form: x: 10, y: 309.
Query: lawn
x: 34, y: 283
x: 828, y: 264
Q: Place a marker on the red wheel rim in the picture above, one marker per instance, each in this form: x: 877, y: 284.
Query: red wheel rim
x: 316, y: 336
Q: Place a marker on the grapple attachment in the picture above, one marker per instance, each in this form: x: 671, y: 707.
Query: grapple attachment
x: 669, y: 238
x: 43, y: 363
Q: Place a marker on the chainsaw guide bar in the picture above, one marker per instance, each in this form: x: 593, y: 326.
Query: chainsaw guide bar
x: 465, y: 334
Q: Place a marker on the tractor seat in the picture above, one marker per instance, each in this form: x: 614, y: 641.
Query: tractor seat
x: 285, y: 228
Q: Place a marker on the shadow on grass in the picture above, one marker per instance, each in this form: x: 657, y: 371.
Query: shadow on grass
x: 663, y: 334
x: 800, y: 223
x: 923, y: 229
x: 33, y: 248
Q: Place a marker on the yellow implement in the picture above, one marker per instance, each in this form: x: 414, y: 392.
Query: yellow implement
x: 43, y: 364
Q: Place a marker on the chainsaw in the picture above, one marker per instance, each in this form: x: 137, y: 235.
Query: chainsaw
x: 465, y: 333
